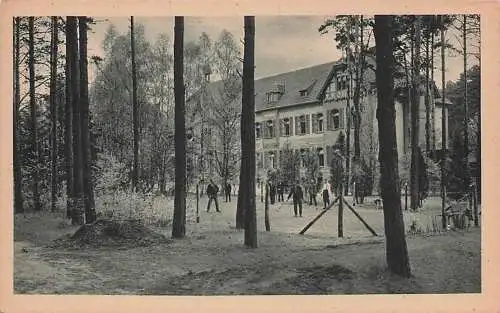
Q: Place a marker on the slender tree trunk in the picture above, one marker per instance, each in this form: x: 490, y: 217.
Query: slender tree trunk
x: 34, y: 131
x: 466, y: 113
x: 88, y: 190
x: 248, y: 135
x: 348, y: 127
x: 135, y: 113
x: 415, y: 118
x: 357, y: 92
x: 433, y: 103
x: 179, y: 222
x: 18, y: 183
x: 443, y: 126
x: 396, y: 249
x: 68, y: 135
x: 427, y: 99
x: 406, y: 108
x: 78, y: 191
x: 53, y: 111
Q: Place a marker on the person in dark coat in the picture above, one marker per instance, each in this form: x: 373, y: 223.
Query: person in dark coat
x: 312, y: 193
x: 212, y: 191
x: 228, y: 192
x: 280, y: 191
x: 272, y: 192
x: 297, y: 195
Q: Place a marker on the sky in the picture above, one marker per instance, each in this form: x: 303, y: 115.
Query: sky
x: 282, y: 43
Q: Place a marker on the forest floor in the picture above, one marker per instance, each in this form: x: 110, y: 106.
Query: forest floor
x: 212, y: 259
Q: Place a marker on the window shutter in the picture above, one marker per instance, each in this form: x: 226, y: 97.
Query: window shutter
x: 329, y: 120
x: 282, y: 127
x: 277, y: 127
x: 297, y: 126
x: 341, y: 118
x: 308, y: 124
x: 314, y: 123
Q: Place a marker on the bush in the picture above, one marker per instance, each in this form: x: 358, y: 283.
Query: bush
x: 123, y: 205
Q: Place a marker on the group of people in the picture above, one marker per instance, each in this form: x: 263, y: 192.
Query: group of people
x: 296, y: 193
x: 212, y: 193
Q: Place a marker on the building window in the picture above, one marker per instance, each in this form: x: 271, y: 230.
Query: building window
x: 273, y: 97
x: 320, y: 122
x: 257, y: 160
x: 257, y: 131
x: 272, y: 159
x: 286, y: 125
x: 302, y: 124
x: 304, y: 93
x: 321, y: 157
x: 336, y: 118
x: 270, y: 129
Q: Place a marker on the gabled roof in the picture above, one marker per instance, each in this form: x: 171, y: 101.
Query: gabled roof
x: 311, y: 79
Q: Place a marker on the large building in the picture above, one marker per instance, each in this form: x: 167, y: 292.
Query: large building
x: 307, y: 109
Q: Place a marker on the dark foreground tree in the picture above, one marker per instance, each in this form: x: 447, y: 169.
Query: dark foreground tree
x: 68, y: 127
x: 53, y: 111
x: 34, y: 131
x: 248, y: 134
x: 396, y: 249
x: 72, y: 58
x: 415, y: 119
x: 179, y: 222
x: 88, y: 190
x: 18, y: 184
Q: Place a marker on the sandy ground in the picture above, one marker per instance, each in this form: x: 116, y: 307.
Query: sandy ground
x: 212, y: 259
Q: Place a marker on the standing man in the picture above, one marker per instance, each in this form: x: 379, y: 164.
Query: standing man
x: 212, y: 191
x: 272, y: 191
x: 228, y: 192
x: 281, y: 191
x: 298, y: 195
x: 312, y: 193
x: 327, y: 191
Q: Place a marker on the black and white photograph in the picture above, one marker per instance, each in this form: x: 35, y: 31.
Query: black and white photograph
x: 246, y: 155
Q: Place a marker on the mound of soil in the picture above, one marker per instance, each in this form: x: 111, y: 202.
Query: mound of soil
x: 108, y: 233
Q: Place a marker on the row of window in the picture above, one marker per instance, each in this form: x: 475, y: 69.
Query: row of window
x: 302, y: 125
x: 269, y: 159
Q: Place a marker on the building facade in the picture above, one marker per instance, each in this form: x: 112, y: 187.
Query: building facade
x: 307, y: 109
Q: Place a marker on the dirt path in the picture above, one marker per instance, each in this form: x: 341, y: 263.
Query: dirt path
x: 212, y: 260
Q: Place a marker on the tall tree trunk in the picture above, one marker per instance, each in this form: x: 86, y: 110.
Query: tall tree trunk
x: 427, y: 98
x: 466, y: 113
x: 248, y: 133
x: 396, y: 249
x: 357, y: 91
x: 72, y: 42
x: 433, y: 102
x: 53, y: 110
x: 18, y: 183
x: 443, y: 125
x: 34, y: 131
x: 179, y: 222
x: 406, y: 108
x: 415, y: 118
x: 348, y: 125
x: 88, y: 190
x: 135, y: 113
x: 68, y: 134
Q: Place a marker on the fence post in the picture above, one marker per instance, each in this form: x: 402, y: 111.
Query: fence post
x: 197, y: 204
x: 340, y: 228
